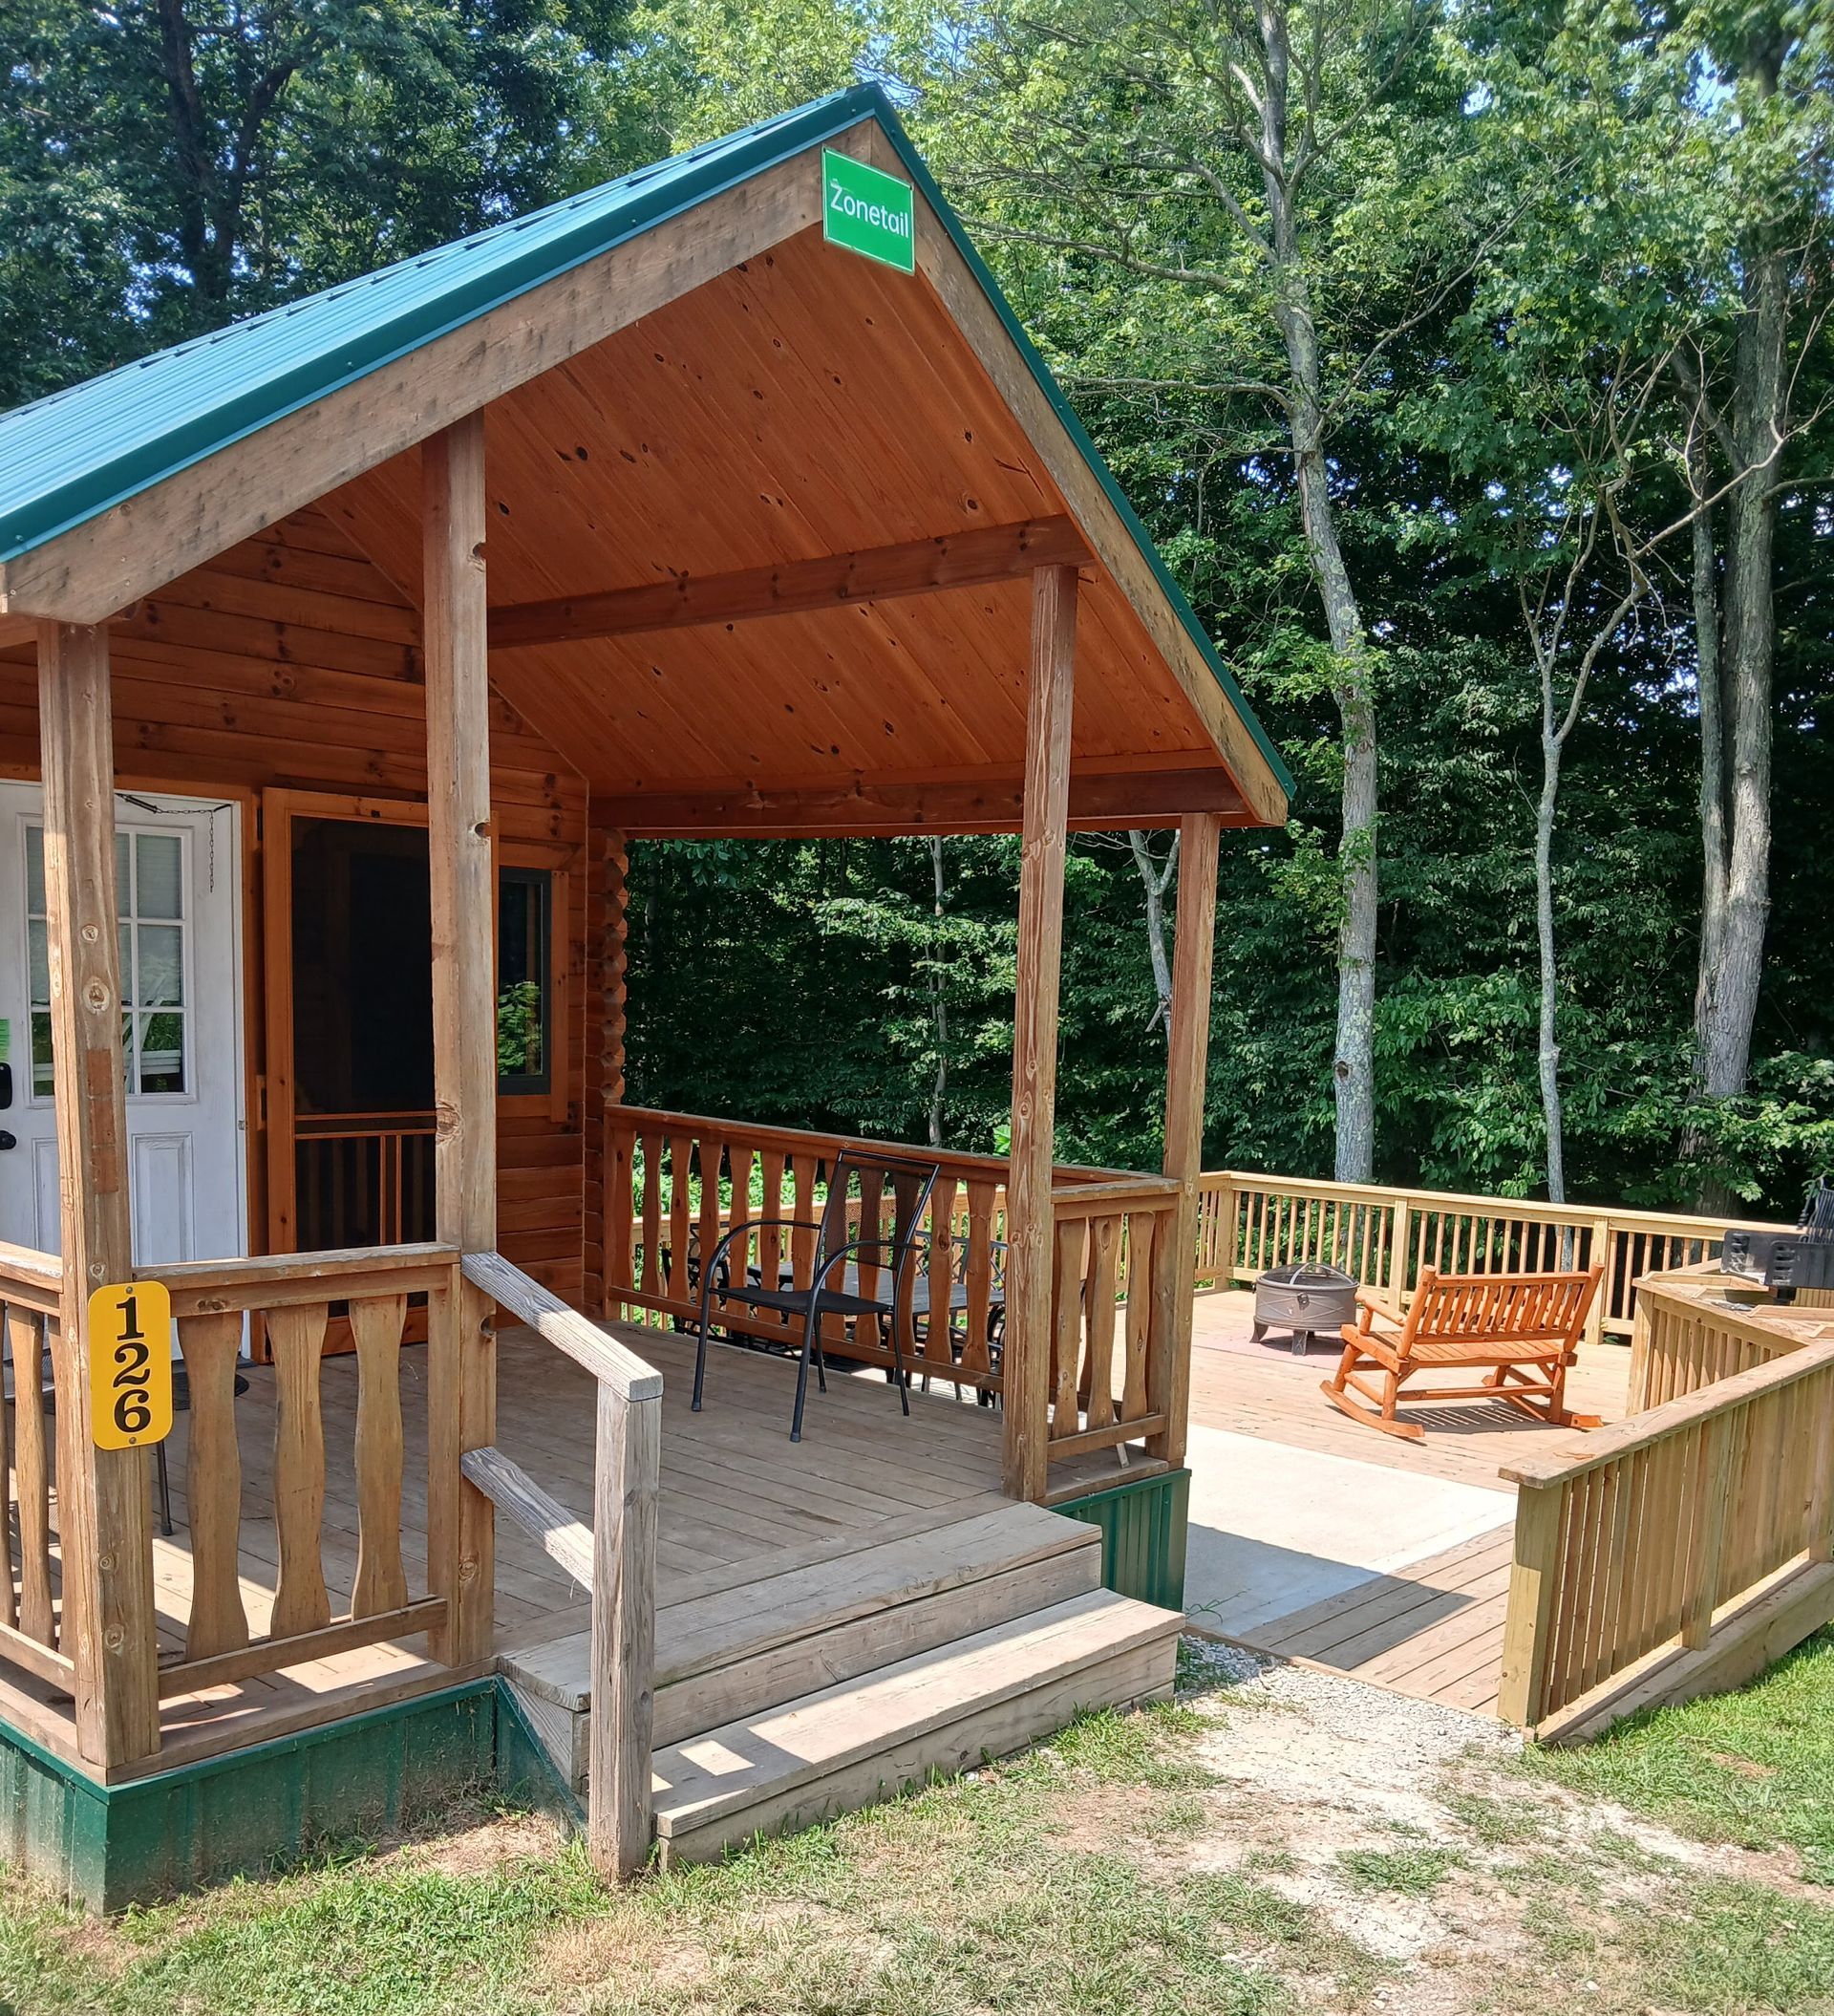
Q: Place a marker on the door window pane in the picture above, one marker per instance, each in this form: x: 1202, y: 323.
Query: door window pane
x: 149, y: 870
x: 161, y: 1058
x: 160, y: 967
x: 40, y: 1053
x: 159, y: 869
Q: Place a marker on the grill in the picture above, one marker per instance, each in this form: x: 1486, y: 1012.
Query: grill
x: 1785, y: 1261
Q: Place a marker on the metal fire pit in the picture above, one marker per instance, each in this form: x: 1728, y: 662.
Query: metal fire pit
x: 1309, y: 1300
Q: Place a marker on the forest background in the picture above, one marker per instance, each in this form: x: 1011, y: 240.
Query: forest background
x: 1468, y: 358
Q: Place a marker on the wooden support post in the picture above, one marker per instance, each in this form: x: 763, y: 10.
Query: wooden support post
x: 1395, y: 1282
x: 1603, y: 1252
x: 625, y: 1487
x: 461, y: 1539
x: 1534, y: 1587
x: 1035, y: 1029
x: 1170, y: 1372
x: 1821, y: 1474
x: 104, y: 1518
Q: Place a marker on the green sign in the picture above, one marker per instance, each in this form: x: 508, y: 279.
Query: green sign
x: 868, y: 212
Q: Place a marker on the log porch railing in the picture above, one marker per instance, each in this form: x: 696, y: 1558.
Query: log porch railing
x: 213, y: 1302
x: 291, y: 1297
x: 1249, y: 1222
x: 676, y: 1182
x: 31, y: 1618
x: 1688, y: 1545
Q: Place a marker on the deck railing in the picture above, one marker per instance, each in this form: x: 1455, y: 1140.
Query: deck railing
x: 1110, y: 1359
x: 31, y: 1620
x: 677, y: 1182
x: 1696, y: 1335
x: 291, y: 1297
x: 1700, y: 1528
x: 1386, y: 1237
x: 615, y: 1557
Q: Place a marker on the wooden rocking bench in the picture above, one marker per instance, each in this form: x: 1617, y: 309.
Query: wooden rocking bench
x: 1524, y: 1327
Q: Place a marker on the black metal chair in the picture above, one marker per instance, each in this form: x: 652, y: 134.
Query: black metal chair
x: 834, y: 1278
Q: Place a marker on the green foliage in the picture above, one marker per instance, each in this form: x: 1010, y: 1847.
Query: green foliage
x: 167, y: 167
x: 1528, y: 201
x: 519, y: 1029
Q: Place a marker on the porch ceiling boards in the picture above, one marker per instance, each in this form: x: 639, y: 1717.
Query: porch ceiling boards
x: 803, y: 406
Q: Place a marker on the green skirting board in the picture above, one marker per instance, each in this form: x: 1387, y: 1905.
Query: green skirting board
x: 1143, y: 1529
x: 110, y: 1845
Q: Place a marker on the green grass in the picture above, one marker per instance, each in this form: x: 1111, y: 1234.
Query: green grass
x: 1411, y: 1872
x: 1497, y: 1823
x: 1755, y: 1768
x: 1735, y: 1950
x: 1051, y: 1887
x: 1691, y: 1948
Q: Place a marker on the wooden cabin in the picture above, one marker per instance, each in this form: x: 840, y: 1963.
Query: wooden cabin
x: 342, y: 653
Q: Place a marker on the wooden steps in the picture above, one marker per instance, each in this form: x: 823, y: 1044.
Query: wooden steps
x: 843, y: 1673
x: 863, y: 1739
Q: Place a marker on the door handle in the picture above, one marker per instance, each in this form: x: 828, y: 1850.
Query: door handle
x: 7, y: 1140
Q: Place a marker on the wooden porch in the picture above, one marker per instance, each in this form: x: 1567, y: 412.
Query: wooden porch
x: 737, y: 1505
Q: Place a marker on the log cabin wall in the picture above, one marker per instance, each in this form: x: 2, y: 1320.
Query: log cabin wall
x: 291, y: 661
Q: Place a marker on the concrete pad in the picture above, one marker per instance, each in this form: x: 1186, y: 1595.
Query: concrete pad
x: 1275, y: 1529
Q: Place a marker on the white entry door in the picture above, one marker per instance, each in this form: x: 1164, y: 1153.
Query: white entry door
x: 179, y: 893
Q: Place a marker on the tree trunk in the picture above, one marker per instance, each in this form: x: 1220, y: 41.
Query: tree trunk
x: 1713, y: 773
x: 1157, y: 879
x: 1750, y: 651
x: 1353, y: 1065
x: 1550, y: 1050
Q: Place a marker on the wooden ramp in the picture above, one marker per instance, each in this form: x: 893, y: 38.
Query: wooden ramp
x: 1433, y: 1629
x: 861, y: 1667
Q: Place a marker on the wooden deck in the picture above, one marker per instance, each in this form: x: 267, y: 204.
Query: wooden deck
x: 1262, y: 1391
x: 739, y: 1502
x: 1432, y: 1629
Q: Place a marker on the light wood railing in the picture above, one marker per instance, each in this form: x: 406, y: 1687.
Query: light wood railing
x: 31, y: 1620
x: 1707, y: 1327
x: 675, y: 1183
x: 291, y: 1296
x: 1680, y: 1549
x: 615, y: 1557
x: 1110, y: 1358
x: 1249, y: 1222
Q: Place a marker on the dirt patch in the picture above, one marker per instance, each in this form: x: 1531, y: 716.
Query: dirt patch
x: 1406, y: 1825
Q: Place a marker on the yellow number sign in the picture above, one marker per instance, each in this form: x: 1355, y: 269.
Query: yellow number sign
x: 130, y: 1365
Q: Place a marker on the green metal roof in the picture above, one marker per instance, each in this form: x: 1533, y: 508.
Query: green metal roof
x: 74, y: 455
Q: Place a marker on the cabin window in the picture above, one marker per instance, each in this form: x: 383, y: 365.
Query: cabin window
x: 524, y: 978
x: 149, y: 900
